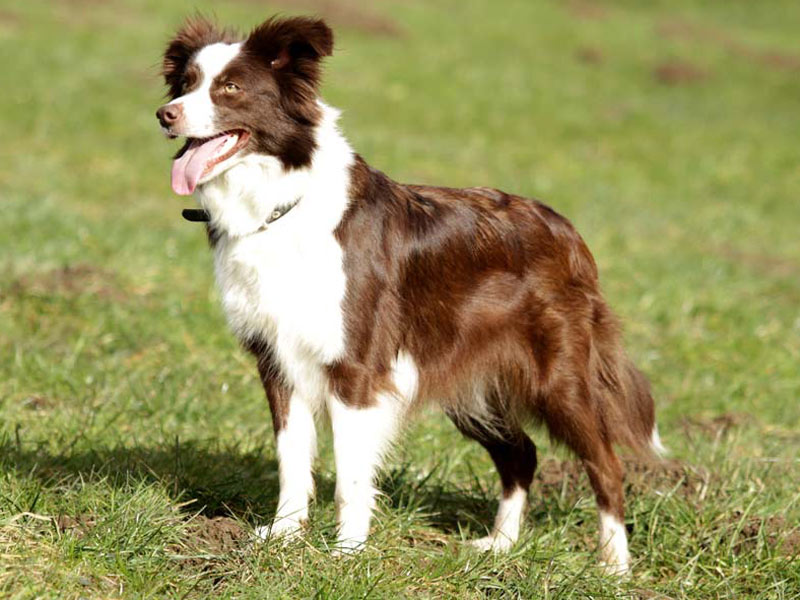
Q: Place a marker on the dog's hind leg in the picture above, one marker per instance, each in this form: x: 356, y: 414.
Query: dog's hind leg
x: 606, y: 476
x: 514, y: 455
x: 574, y: 419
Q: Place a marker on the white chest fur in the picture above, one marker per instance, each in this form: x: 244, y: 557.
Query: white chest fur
x: 285, y: 285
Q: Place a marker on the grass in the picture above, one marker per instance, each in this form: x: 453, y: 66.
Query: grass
x: 136, y: 451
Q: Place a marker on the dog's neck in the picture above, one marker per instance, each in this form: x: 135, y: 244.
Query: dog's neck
x: 241, y: 199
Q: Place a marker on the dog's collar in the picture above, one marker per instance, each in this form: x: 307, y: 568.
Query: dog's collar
x: 199, y: 215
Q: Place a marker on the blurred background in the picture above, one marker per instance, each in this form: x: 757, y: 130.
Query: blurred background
x: 667, y: 131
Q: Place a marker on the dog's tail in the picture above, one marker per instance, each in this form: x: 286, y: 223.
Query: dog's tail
x: 626, y: 403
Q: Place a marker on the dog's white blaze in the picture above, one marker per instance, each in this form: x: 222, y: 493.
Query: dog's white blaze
x: 198, y: 109
x: 297, y: 446
x: 507, y: 523
x: 613, y: 545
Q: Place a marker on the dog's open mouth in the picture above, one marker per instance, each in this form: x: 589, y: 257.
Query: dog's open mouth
x: 200, y: 156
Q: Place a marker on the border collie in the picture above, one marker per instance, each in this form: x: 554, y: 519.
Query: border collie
x: 365, y: 298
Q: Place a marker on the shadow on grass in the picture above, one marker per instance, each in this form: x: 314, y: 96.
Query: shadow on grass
x: 227, y: 481
x: 210, y: 479
x: 444, y: 506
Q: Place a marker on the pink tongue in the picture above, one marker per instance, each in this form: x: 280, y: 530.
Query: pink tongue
x: 187, y: 170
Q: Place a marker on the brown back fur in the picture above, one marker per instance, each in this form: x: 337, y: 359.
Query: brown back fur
x: 496, y: 298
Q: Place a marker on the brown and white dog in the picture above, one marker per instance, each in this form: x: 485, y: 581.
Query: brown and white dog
x: 367, y: 298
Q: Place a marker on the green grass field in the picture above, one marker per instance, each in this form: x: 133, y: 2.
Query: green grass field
x: 136, y: 451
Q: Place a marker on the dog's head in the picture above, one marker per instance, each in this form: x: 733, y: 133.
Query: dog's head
x: 232, y: 98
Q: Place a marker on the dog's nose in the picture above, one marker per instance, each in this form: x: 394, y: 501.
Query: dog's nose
x: 169, y: 114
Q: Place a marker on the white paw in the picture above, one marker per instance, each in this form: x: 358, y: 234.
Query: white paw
x: 615, y: 559
x: 614, y: 556
x: 615, y: 569
x: 348, y: 546
x: 282, y: 529
x: 497, y: 543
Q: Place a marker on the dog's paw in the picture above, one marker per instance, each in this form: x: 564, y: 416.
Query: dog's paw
x: 348, y: 547
x: 494, y: 543
x: 283, y: 530
x: 615, y: 569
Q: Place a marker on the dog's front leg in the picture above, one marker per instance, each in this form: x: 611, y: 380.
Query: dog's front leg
x: 297, y: 446
x: 361, y: 435
x: 293, y: 419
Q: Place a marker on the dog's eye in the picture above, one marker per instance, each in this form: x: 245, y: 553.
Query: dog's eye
x: 231, y: 88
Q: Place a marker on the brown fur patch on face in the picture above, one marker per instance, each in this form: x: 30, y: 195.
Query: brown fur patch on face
x: 278, y: 125
x: 293, y: 48
x: 196, y: 33
x: 278, y: 74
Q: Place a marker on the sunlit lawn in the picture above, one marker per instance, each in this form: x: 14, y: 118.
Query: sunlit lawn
x: 136, y: 451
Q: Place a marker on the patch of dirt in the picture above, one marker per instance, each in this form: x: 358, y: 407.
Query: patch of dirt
x: 591, y: 55
x: 774, y: 530
x: 780, y: 60
x: 207, y: 544
x: 686, y: 30
x: 554, y: 473
x: 774, y: 265
x: 679, y: 72
x: 70, y: 281
x: 346, y: 13
x: 77, y: 526
x: 714, y: 427
x: 95, y: 13
x: 680, y: 29
x: 218, y: 535
x: 82, y: 3
x: 640, y: 475
x: 588, y: 10
x: 689, y: 481
x: 37, y: 402
x: 9, y: 20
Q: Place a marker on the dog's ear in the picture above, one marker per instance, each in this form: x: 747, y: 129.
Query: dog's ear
x: 196, y: 33
x: 292, y: 46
